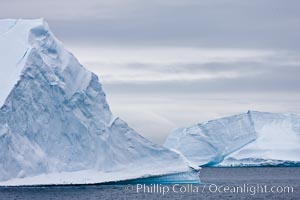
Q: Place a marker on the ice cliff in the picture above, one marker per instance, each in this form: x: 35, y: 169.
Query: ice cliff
x: 249, y: 139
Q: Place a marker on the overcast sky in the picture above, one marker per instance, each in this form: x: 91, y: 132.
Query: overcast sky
x: 170, y: 63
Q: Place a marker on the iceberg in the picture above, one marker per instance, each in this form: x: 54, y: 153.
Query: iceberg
x: 248, y: 139
x: 56, y: 126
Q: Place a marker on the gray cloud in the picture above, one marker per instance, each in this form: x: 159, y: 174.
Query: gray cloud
x: 216, y: 71
x: 226, y: 23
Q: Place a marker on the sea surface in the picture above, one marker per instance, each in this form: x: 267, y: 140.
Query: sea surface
x: 217, y: 183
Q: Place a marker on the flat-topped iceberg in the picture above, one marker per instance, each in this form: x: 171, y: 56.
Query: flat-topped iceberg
x: 249, y: 139
x: 55, y: 124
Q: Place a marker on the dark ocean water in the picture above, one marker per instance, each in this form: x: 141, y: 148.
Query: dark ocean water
x: 218, y: 183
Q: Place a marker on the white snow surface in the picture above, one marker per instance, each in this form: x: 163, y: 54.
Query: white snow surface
x: 250, y: 139
x: 55, y: 124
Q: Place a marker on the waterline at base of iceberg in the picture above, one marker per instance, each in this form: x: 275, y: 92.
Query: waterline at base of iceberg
x: 180, y: 178
x: 89, y: 177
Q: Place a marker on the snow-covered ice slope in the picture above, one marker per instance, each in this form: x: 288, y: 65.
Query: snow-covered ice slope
x: 253, y: 138
x: 277, y: 142
x: 54, y: 118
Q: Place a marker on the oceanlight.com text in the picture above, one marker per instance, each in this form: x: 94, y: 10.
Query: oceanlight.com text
x: 250, y: 189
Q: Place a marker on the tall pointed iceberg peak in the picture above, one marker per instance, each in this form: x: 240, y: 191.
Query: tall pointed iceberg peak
x: 55, y: 124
